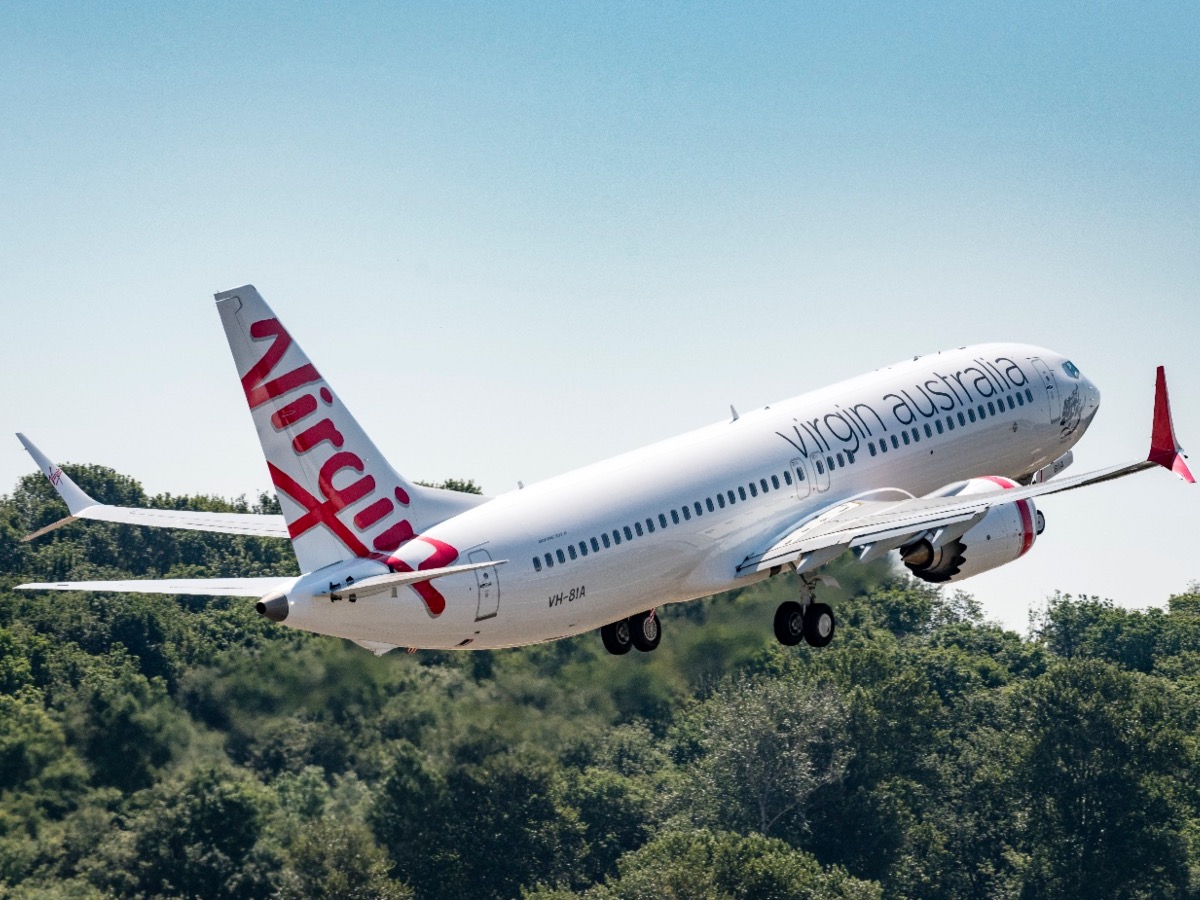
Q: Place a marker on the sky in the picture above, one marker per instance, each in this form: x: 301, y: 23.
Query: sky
x: 518, y: 238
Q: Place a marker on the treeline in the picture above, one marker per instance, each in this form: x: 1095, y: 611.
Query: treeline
x: 160, y: 747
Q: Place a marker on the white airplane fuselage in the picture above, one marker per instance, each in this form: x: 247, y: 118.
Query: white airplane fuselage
x: 604, y: 542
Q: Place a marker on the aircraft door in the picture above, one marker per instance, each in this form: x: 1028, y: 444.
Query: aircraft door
x: 1050, y: 383
x: 802, y: 473
x: 821, y: 479
x: 487, y: 584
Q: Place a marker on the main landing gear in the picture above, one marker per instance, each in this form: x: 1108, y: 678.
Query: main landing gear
x: 811, y: 621
x: 643, y: 631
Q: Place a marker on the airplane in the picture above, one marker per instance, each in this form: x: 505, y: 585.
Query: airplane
x: 939, y: 458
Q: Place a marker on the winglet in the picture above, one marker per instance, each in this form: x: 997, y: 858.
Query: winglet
x: 1164, y: 449
x: 77, y: 501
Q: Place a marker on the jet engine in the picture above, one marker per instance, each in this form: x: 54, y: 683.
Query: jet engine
x: 1006, y: 533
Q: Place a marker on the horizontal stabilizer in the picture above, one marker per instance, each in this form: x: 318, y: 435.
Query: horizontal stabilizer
x: 198, y: 587
x: 378, y: 584
x: 82, y: 506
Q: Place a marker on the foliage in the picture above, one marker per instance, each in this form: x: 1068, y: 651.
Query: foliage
x: 183, y: 747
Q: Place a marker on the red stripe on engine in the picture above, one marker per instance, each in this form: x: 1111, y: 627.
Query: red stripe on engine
x: 1024, y: 507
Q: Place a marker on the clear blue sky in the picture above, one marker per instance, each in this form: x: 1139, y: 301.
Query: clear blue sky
x: 522, y: 237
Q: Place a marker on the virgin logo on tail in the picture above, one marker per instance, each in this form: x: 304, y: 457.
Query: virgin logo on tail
x: 321, y: 436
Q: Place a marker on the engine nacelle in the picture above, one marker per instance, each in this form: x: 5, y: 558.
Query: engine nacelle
x: 1006, y: 533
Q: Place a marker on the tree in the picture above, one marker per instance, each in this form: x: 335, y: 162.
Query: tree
x: 198, y: 838
x: 764, y: 746
x: 723, y: 866
x: 1104, y: 816
x: 331, y: 858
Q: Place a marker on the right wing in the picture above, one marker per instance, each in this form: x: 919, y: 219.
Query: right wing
x: 82, y: 506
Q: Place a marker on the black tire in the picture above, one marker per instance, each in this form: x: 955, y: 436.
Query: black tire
x: 789, y: 623
x: 645, y: 631
x: 819, y: 624
x: 617, y: 637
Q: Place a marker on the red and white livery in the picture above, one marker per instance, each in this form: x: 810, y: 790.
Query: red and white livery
x: 938, y: 458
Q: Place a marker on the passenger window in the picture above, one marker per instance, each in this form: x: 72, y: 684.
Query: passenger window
x: 583, y: 548
x: 561, y: 556
x: 787, y: 477
x: 1020, y: 400
x: 628, y: 533
x: 896, y: 442
x: 841, y: 462
x: 991, y: 408
x: 753, y: 489
x: 883, y: 444
x: 1011, y: 405
x: 637, y: 526
x: 1029, y: 395
x: 699, y: 509
x: 549, y: 561
x: 662, y: 520
x: 950, y: 422
x: 971, y: 414
x: 938, y: 425
x: 849, y: 458
x: 928, y: 431
x: 675, y: 516
x: 871, y: 449
x: 617, y: 536
x: 687, y: 514
x: 820, y: 467
x: 571, y: 551
x: 904, y: 434
x: 650, y: 525
x: 763, y: 483
x: 741, y: 492
x: 829, y: 463
x: 708, y: 502
x: 607, y: 543
x: 595, y: 546
x: 537, y: 564
x: 982, y: 414
x: 962, y: 420
x: 721, y: 500
x: 916, y: 436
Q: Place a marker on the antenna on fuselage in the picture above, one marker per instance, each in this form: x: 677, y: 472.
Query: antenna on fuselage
x: 734, y: 412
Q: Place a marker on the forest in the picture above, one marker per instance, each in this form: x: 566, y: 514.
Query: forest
x: 154, y: 746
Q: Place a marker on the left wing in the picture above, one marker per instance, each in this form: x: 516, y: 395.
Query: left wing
x: 81, y: 506
x: 200, y: 587
x: 873, y: 527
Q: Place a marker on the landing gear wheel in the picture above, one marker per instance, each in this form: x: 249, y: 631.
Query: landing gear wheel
x: 645, y: 630
x: 617, y: 637
x: 818, y: 624
x: 789, y: 623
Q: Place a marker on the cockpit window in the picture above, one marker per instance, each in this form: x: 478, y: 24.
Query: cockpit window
x: 1069, y: 368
